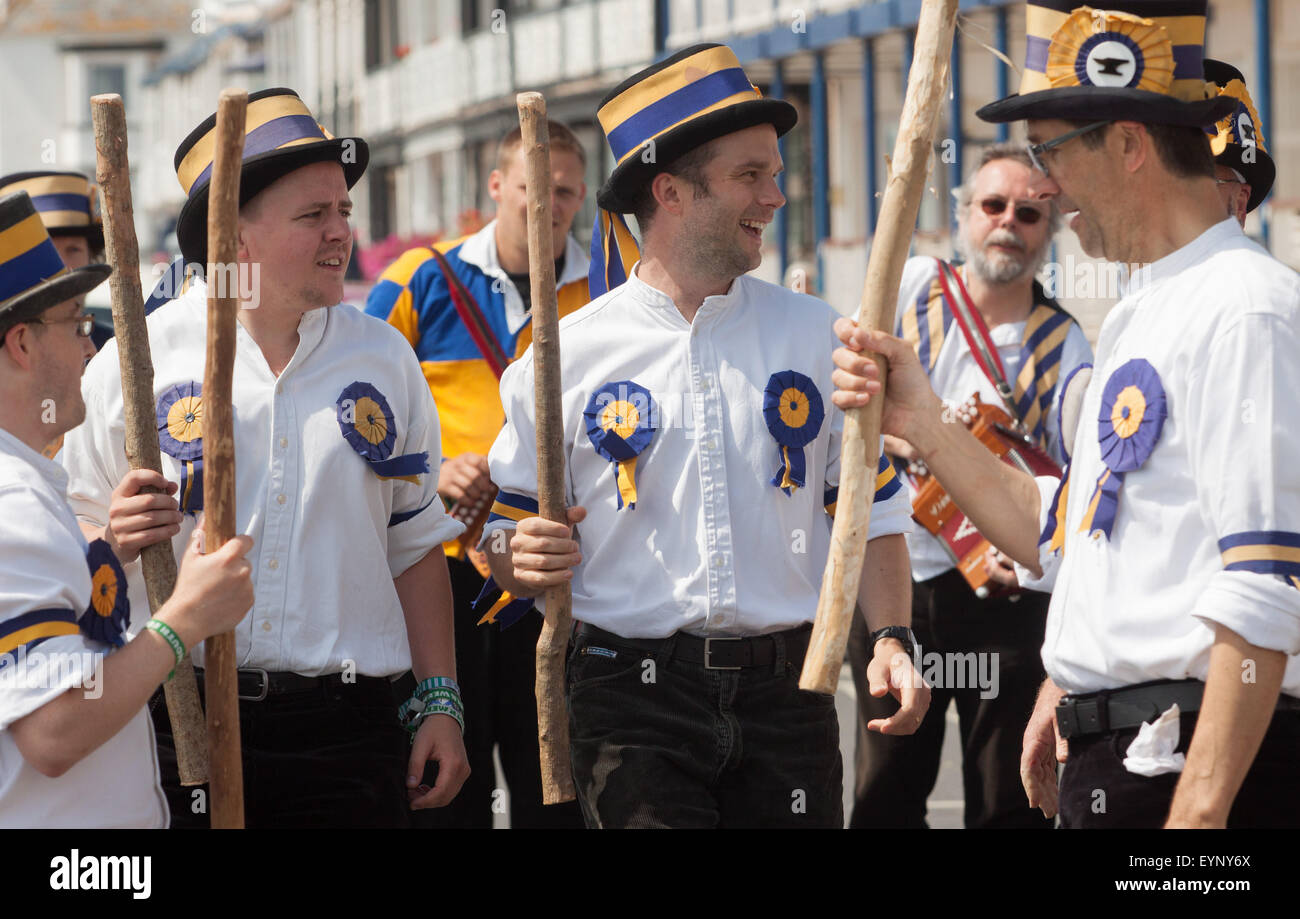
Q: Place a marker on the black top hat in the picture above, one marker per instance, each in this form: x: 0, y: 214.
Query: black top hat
x: 33, y: 277
x: 1238, y: 139
x: 674, y: 106
x: 68, y: 203
x: 1137, y: 60
x: 280, y: 135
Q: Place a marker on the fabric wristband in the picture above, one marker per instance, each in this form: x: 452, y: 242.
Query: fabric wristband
x: 172, y: 639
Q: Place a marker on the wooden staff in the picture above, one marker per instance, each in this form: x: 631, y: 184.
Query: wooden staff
x: 552, y: 714
x: 113, y: 175
x: 861, y: 445
x: 219, y: 447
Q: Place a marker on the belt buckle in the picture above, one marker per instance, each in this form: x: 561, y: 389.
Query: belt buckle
x: 266, y: 684
x: 708, y: 654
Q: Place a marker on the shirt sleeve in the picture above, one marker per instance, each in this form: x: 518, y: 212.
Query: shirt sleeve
x: 1052, y: 496
x: 1075, y: 352
x: 513, y: 457
x: 891, y: 510
x: 1246, y: 450
x: 46, y: 590
x: 419, y: 522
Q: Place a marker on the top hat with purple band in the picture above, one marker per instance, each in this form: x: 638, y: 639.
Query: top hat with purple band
x: 1135, y: 60
x: 674, y: 106
x: 33, y: 277
x: 280, y: 135
x: 67, y: 202
x: 1238, y: 139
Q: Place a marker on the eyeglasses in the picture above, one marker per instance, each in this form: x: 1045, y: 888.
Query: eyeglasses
x: 85, y: 323
x: 1036, y: 151
x: 996, y: 206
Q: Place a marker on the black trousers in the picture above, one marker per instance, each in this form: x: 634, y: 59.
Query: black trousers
x: 1097, y: 792
x: 896, y: 774
x: 661, y: 742
x: 497, y: 670
x: 332, y: 757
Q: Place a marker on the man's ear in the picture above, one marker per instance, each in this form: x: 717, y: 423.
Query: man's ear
x: 495, y: 180
x: 16, y: 344
x: 667, y: 191
x: 1135, y: 144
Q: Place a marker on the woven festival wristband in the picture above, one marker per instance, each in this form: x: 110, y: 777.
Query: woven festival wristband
x: 172, y: 639
x: 437, y: 709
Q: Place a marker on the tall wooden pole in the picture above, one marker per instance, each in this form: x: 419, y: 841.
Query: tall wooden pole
x: 552, y: 714
x: 219, y: 448
x: 113, y: 175
x: 860, y: 450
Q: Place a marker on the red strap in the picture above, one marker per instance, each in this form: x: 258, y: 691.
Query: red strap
x: 997, y: 371
x: 471, y: 316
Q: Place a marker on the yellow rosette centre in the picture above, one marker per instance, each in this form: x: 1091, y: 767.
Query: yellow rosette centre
x: 794, y: 408
x: 103, y: 591
x: 621, y: 417
x: 185, y: 419
x: 370, y: 421
x: 1126, y: 414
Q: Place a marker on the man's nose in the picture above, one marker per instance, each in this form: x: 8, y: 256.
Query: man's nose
x: 771, y: 195
x: 1042, y: 187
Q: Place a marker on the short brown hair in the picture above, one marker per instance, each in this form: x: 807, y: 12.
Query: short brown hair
x: 1184, y: 152
x: 561, y: 138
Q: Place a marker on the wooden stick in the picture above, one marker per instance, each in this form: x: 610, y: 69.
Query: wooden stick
x: 861, y: 445
x: 219, y: 447
x: 113, y: 175
x: 552, y: 713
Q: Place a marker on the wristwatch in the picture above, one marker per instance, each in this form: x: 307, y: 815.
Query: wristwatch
x: 901, y: 632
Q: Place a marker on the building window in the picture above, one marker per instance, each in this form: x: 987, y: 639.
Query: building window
x: 381, y: 22
x: 106, y: 78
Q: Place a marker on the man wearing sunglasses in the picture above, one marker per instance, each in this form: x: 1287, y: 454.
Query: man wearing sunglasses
x: 1003, y: 235
x: 1173, y: 637
x: 76, y: 748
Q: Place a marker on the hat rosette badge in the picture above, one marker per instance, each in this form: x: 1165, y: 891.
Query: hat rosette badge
x: 370, y: 429
x: 1111, y: 49
x: 109, y: 612
x: 1133, y: 411
x: 621, y: 420
x: 793, y: 410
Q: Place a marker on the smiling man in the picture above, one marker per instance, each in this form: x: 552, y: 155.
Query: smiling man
x: 1173, y: 636
x: 701, y: 458
x: 337, y: 456
x: 1004, y: 235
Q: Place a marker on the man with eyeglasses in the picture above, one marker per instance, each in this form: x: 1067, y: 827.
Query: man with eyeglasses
x: 1173, y: 637
x: 1003, y: 235
x: 76, y: 747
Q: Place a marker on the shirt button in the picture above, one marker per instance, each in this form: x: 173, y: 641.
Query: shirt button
x: 273, y: 564
x: 266, y: 626
x: 280, y: 499
x: 284, y: 442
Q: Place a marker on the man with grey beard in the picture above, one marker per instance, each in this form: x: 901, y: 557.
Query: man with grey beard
x: 1003, y: 234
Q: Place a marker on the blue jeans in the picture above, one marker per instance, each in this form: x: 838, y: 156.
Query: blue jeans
x: 663, y: 742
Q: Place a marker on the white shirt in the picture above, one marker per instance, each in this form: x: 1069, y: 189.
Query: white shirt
x: 711, y: 546
x: 324, y: 551
x: 956, y: 377
x: 1219, y: 320
x: 44, y: 574
x: 480, y: 250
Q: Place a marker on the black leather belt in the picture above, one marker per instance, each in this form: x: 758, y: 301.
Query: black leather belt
x: 713, y: 653
x: 255, y: 684
x: 1117, y: 709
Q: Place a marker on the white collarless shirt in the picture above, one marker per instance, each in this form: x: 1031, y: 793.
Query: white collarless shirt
x: 1219, y: 321
x: 45, y: 577
x: 329, y: 535
x: 711, y: 547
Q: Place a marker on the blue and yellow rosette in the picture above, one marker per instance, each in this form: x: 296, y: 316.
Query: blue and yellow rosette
x: 370, y: 428
x: 180, y: 435
x: 621, y: 420
x: 793, y: 409
x: 109, y: 612
x: 1133, y: 410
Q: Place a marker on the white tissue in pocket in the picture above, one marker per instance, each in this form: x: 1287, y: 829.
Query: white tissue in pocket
x: 1152, y: 751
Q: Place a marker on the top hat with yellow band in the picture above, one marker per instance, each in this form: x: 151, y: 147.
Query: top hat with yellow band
x: 1135, y: 60
x: 67, y: 201
x: 1238, y: 138
x: 280, y: 135
x: 33, y: 277
x: 674, y: 106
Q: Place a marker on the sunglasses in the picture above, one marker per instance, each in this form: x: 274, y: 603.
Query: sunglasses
x: 995, y: 206
x: 1036, y: 151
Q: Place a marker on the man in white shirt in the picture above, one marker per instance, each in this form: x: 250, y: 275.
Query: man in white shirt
x: 700, y: 459
x: 1174, y: 544
x: 1003, y: 236
x: 76, y: 746
x: 336, y: 465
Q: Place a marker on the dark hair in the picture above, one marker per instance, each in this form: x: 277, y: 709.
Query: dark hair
x: 1184, y: 152
x: 561, y: 138
x: 689, y: 166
